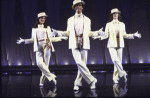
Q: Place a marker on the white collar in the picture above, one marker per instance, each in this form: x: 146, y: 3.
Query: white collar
x: 115, y: 21
x: 40, y: 26
x: 76, y: 14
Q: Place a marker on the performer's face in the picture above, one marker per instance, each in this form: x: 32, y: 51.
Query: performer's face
x: 42, y: 20
x: 78, y: 8
x: 115, y: 15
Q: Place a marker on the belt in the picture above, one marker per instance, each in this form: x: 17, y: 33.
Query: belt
x: 79, y: 35
x: 47, y: 42
x: 42, y: 40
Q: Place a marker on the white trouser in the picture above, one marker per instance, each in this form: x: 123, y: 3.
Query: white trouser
x: 116, y: 56
x: 80, y: 58
x: 42, y: 59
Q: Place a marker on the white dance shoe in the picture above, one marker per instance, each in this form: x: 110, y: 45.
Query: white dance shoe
x: 41, y: 84
x: 115, y: 81
x: 93, y: 84
x: 76, y: 88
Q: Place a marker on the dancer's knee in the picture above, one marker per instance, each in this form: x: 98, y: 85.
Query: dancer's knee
x: 116, y: 61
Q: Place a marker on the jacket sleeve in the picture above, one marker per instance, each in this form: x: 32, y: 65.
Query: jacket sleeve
x: 125, y: 35
x: 93, y: 34
x: 56, y: 39
x: 31, y: 40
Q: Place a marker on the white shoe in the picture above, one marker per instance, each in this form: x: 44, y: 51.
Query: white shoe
x: 41, y: 84
x: 76, y: 87
x: 93, y: 84
x: 115, y: 81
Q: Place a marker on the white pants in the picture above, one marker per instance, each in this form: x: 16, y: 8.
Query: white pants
x: 42, y: 59
x: 116, y: 56
x: 80, y: 58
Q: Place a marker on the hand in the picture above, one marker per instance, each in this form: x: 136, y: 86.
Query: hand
x: 137, y: 34
x: 101, y: 32
x: 101, y: 29
x: 96, y: 37
x: 65, y: 38
x: 53, y: 33
x: 20, y: 41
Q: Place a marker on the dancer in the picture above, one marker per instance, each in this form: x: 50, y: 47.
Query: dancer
x: 115, y: 30
x: 79, y: 31
x: 43, y: 46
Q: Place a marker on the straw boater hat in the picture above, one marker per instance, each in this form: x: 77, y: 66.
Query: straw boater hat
x: 77, y: 1
x: 42, y: 14
x: 115, y: 10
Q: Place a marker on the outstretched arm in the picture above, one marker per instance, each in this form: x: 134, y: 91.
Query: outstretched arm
x: 27, y: 41
x: 56, y: 39
x: 101, y: 34
x: 97, y: 33
x: 60, y: 33
x: 52, y: 35
x: 130, y: 36
x: 20, y: 41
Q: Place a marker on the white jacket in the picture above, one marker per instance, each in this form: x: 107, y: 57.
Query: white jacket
x: 110, y: 32
x: 71, y: 33
x: 35, y: 42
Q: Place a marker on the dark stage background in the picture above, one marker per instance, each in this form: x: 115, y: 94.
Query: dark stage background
x: 19, y: 16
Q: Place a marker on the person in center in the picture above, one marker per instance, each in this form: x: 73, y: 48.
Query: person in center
x: 79, y: 31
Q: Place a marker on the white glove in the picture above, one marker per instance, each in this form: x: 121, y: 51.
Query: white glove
x: 20, y: 41
x: 96, y: 37
x: 137, y: 34
x: 53, y: 33
x: 101, y: 32
x: 65, y: 38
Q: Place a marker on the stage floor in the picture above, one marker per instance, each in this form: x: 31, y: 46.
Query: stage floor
x: 27, y: 85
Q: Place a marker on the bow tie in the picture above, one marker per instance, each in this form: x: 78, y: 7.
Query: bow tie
x: 79, y: 15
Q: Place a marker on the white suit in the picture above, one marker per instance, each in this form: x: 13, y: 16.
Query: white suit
x: 43, y: 53
x: 116, y: 45
x: 80, y: 57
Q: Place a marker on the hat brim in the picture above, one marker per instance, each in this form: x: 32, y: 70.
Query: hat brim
x: 114, y: 12
x: 77, y: 3
x: 42, y: 16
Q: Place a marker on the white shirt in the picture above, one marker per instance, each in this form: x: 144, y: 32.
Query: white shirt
x: 41, y: 32
x: 79, y: 23
x: 116, y: 27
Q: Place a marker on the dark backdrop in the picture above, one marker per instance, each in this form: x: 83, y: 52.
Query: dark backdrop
x: 19, y: 16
